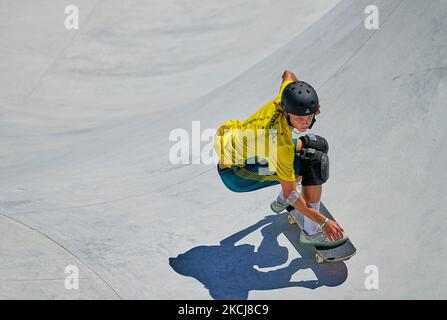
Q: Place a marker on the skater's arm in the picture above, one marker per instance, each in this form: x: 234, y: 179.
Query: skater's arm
x: 331, y: 228
x: 300, y: 204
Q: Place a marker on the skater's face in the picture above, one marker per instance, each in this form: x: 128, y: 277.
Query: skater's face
x: 301, y: 123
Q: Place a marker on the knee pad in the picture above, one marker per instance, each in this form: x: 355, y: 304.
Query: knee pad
x: 314, y: 167
x: 313, y: 141
x: 292, y: 198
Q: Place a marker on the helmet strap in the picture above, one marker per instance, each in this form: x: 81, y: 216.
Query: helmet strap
x: 288, y: 121
x: 313, y: 121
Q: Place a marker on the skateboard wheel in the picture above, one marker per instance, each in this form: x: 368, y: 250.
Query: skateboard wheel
x: 319, y: 258
x: 291, y: 219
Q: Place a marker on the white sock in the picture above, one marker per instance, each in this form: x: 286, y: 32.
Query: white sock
x: 311, y: 227
x: 281, y: 198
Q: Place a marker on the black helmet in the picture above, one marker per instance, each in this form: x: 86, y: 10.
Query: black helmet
x: 299, y: 98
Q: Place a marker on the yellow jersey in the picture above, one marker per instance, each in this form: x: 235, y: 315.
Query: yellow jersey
x: 265, y: 137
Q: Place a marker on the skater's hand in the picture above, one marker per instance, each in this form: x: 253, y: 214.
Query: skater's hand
x: 289, y: 75
x: 333, y: 230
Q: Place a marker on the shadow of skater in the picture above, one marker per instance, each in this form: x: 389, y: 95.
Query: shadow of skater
x: 229, y: 271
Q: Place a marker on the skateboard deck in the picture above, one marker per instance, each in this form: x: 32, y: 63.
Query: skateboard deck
x: 341, y: 252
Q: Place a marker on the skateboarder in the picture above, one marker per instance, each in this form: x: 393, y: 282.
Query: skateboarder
x: 301, y: 165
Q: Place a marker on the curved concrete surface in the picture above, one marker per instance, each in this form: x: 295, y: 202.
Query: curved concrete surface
x: 34, y: 267
x: 89, y: 183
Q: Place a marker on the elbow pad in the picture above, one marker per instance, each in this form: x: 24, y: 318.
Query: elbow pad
x: 314, y: 167
x: 293, y: 196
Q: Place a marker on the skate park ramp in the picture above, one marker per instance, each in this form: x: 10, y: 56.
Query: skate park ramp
x: 86, y: 177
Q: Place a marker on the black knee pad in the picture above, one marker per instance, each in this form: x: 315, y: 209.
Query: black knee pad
x: 314, y: 167
x: 313, y: 141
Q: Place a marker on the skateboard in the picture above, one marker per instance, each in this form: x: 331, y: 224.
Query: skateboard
x: 341, y: 252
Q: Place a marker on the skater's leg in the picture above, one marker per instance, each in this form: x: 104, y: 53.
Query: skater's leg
x: 280, y: 204
x: 280, y: 196
x: 312, y: 196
